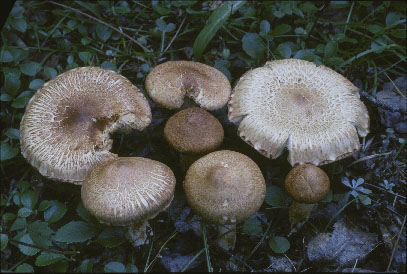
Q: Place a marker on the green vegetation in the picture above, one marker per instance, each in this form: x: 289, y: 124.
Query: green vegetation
x: 44, y: 226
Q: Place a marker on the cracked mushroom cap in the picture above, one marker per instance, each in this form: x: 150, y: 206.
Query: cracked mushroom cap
x: 313, y: 111
x: 65, y: 128
x: 307, y: 183
x: 128, y: 190
x: 168, y: 83
x: 225, y: 187
x: 193, y: 131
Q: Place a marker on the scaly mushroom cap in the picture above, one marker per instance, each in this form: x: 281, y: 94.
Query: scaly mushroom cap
x: 168, y: 83
x: 128, y: 190
x: 65, y: 129
x: 313, y: 111
x: 225, y: 187
x: 307, y: 183
x: 193, y: 131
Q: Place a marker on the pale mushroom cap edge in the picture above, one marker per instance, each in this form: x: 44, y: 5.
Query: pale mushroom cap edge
x: 313, y: 111
x: 128, y: 190
x: 168, y: 84
x: 66, y: 125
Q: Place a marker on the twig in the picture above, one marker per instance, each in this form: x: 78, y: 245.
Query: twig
x: 369, y: 157
x: 374, y: 101
x: 395, y: 194
x: 173, y: 38
x: 396, y: 244
x: 395, y: 86
x: 45, y: 249
x: 230, y: 254
x: 106, y: 24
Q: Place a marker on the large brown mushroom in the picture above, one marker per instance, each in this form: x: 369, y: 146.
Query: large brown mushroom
x: 313, y: 111
x: 168, y: 84
x: 128, y: 191
x: 225, y: 187
x: 65, y: 129
x: 193, y: 132
x: 307, y: 185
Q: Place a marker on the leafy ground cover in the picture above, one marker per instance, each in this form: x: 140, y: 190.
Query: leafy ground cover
x: 44, y: 226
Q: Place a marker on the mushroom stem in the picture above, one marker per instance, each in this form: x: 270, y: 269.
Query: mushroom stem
x: 227, y: 236
x: 299, y: 214
x: 137, y: 233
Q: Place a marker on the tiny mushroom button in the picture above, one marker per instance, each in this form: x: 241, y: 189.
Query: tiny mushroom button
x: 128, y: 191
x: 66, y: 125
x: 313, y: 111
x: 225, y: 188
x: 168, y: 84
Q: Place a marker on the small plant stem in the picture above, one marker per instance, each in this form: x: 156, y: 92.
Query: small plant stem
x: 17, y: 264
x: 395, y: 194
x: 366, y: 52
x: 45, y: 249
x: 205, y: 240
x: 337, y: 213
x: 260, y: 242
x: 159, y: 251
x: 369, y: 157
x: 173, y: 38
x: 396, y: 244
x: 149, y: 254
x: 348, y: 18
x: 399, y: 150
x: 193, y: 259
x: 104, y: 23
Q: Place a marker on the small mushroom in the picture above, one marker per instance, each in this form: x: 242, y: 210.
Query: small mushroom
x: 307, y: 185
x: 128, y: 191
x: 225, y: 188
x: 65, y: 128
x: 193, y: 132
x: 313, y: 111
x: 168, y: 84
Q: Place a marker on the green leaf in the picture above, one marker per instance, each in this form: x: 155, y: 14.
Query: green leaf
x: 40, y: 233
x: 12, y: 83
x: 279, y: 244
x: 264, y: 26
x: 103, y: 32
x: 374, y: 28
x: 85, y: 57
x: 47, y: 258
x: 252, y: 226
x: 30, y: 68
x: 93, y: 8
x: 4, y: 97
x: 55, y: 212
x: 305, y: 54
x: 161, y: 24
x: 281, y: 29
x: 109, y: 65
x: 84, y: 213
x: 86, y: 266
x: 253, y: 46
x: 19, y: 54
x: 275, y: 197
x: 284, y: 50
x: 4, y: 241
x: 115, y: 267
x: 50, y: 72
x: 24, y: 212
x: 111, y: 237
x: 18, y: 224
x: 300, y: 30
x: 45, y: 204
x: 6, y: 57
x: 399, y: 33
x: 86, y: 41
x: 75, y: 232
x: 21, y: 101
x: 131, y: 268
x: 330, y: 49
x: 25, y: 268
x: 12, y: 133
x: 36, y: 84
x: 7, y: 152
x: 27, y: 250
x: 391, y: 18
x: 8, y: 216
x: 215, y: 21
x: 19, y: 24
x: 365, y: 199
x: 29, y: 199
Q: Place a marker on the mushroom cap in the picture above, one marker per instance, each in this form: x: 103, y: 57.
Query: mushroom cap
x: 168, y: 83
x: 307, y: 183
x: 65, y: 129
x: 313, y: 111
x: 225, y: 187
x: 128, y: 190
x: 193, y: 131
